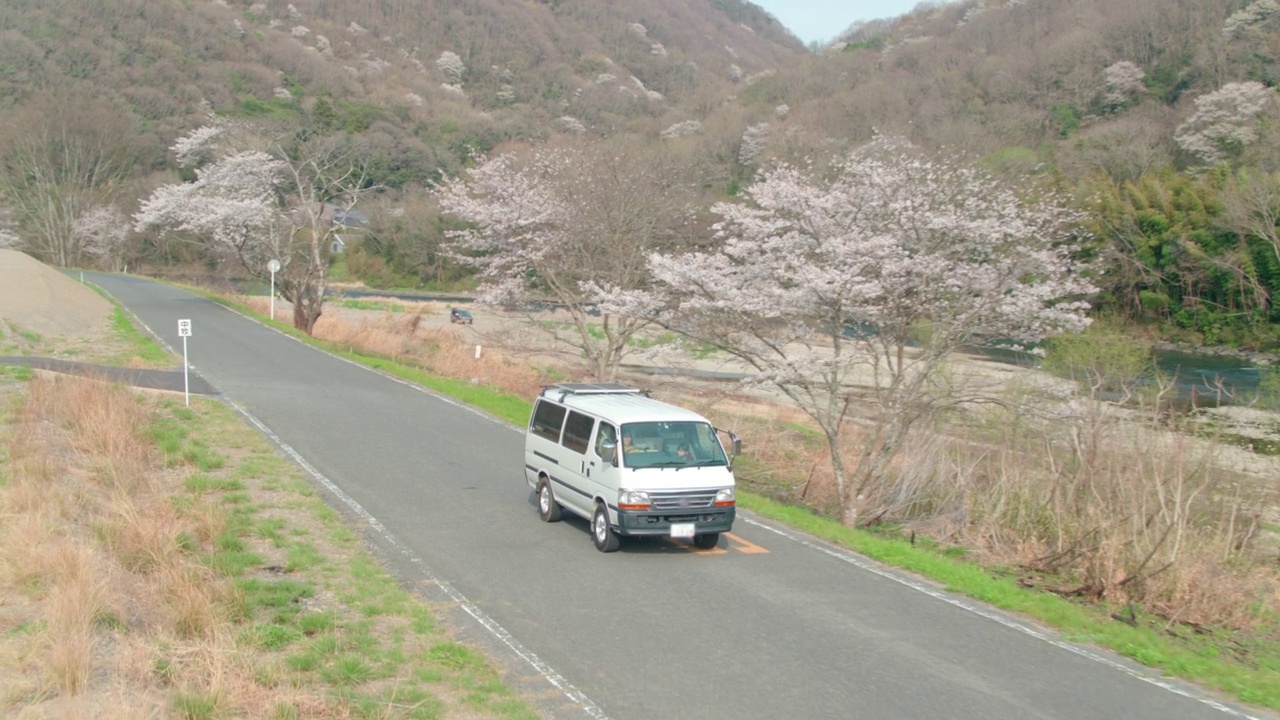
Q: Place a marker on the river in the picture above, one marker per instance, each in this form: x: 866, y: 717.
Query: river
x: 1201, y: 380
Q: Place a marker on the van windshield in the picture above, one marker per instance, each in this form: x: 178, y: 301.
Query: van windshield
x: 671, y: 444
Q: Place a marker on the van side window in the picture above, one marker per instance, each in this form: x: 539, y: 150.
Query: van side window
x: 607, y: 434
x: 547, y: 419
x: 577, y: 431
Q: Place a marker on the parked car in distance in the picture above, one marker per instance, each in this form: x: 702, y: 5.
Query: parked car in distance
x: 460, y: 316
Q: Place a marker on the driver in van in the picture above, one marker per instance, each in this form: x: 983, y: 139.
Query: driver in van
x: 629, y: 444
x: 683, y: 453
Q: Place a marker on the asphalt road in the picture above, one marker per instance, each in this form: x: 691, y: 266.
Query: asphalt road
x: 770, y: 624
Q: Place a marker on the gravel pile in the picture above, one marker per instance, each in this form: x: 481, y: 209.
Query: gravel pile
x: 36, y: 298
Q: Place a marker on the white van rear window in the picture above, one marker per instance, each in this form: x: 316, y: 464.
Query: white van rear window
x: 547, y: 419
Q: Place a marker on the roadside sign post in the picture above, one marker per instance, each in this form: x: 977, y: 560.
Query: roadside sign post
x: 184, y: 331
x: 273, y: 266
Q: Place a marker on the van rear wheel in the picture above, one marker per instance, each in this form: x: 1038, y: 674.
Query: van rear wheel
x: 605, y: 539
x: 706, y: 541
x: 548, y: 508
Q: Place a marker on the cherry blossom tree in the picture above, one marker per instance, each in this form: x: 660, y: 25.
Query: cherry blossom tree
x: 874, y: 271
x: 286, y: 202
x: 573, y: 225
x: 1124, y: 83
x: 1223, y: 124
x: 103, y: 231
x: 1250, y: 18
x: 452, y: 66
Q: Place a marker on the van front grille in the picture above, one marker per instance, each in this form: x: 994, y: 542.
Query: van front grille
x: 682, y: 501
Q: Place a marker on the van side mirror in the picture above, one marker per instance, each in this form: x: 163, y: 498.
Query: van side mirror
x: 735, y: 444
x: 609, y: 452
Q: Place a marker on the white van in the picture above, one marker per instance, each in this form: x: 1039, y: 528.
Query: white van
x: 630, y: 464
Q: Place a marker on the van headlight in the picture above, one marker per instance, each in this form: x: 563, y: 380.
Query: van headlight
x: 724, y: 497
x: 633, y: 500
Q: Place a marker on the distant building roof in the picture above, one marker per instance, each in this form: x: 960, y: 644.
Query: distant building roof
x: 350, y: 218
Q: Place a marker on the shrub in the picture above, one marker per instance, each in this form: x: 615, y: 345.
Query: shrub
x: 1100, y: 359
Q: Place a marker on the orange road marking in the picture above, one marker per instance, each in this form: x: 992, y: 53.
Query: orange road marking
x: 744, y: 547
x: 709, y: 551
x: 689, y: 547
x: 736, y: 544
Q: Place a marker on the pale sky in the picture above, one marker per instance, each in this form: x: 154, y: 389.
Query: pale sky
x: 822, y: 20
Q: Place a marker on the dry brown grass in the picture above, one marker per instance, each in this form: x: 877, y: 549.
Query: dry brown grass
x: 90, y: 559
x: 119, y: 612
x: 789, y: 461
x: 142, y: 533
x: 1095, y: 506
x: 77, y: 587
x: 405, y: 337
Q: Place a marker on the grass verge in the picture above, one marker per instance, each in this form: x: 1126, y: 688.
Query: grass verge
x: 162, y: 560
x: 209, y: 577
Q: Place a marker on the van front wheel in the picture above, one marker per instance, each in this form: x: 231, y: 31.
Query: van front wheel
x: 548, y: 508
x: 605, y: 539
x: 706, y: 541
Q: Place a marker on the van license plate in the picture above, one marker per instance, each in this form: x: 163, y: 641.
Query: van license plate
x: 682, y: 530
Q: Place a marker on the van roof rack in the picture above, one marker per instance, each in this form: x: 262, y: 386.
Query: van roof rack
x: 585, y: 388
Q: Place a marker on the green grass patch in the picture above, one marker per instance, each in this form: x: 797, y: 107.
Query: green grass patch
x: 141, y: 347
x: 269, y: 636
x: 455, y: 657
x: 304, y: 662
x: 203, y: 457
x: 377, y: 305
x: 20, y: 373
x: 27, y: 627
x: 197, y: 706
x: 272, y: 530
x: 302, y: 556
x: 237, y: 498
x: 256, y: 467
x: 232, y: 559
x: 203, y: 483
x: 275, y: 595
x: 168, y: 435
x: 507, y: 407
x: 348, y: 670
x: 317, y: 623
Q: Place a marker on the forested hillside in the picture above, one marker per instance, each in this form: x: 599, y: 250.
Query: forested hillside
x: 431, y: 80
x: 1156, y: 117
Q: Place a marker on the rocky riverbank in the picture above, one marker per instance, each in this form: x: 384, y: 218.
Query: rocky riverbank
x: 1252, y: 357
